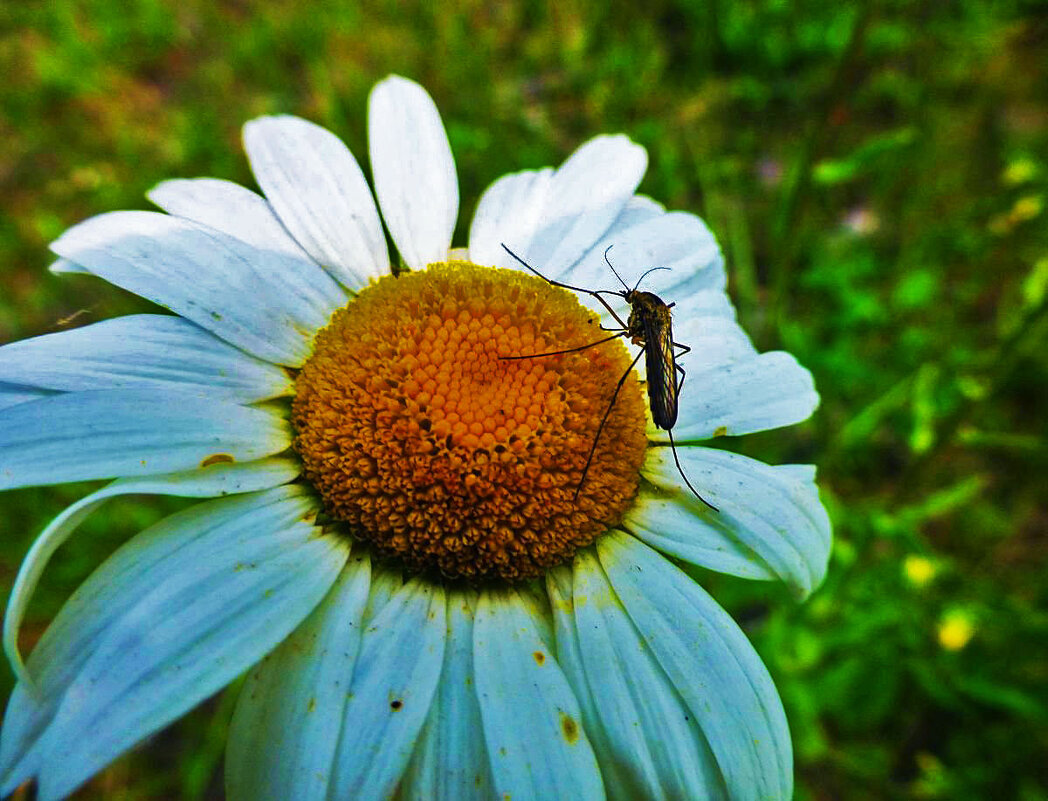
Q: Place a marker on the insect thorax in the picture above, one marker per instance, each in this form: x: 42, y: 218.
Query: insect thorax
x: 647, y: 310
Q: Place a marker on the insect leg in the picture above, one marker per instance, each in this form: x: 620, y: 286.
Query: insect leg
x: 611, y: 311
x: 603, y: 420
x: 673, y: 447
x: 595, y: 294
x: 683, y: 349
x: 680, y: 383
x: 567, y: 350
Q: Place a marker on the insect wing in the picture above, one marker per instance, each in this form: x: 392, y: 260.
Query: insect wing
x: 659, y: 360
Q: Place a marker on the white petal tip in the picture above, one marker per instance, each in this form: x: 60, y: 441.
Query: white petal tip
x: 158, y: 194
x: 21, y: 672
x: 14, y: 656
x: 65, y: 266
x: 394, y: 81
x: 267, y: 123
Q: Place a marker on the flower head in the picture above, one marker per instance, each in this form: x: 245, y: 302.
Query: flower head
x: 956, y: 629
x: 448, y: 563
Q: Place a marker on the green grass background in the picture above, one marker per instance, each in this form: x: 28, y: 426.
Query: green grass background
x: 876, y: 173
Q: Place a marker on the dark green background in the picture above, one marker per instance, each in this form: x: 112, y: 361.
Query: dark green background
x: 876, y: 174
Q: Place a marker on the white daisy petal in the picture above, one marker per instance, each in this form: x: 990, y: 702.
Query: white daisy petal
x: 714, y: 341
x: 532, y: 725
x: 675, y: 526
x: 413, y: 170
x: 317, y: 189
x: 643, y: 733
x: 285, y: 728
x: 710, y: 663
x: 227, y: 207
x: 169, y: 619
x: 769, y: 523
x: 394, y: 681
x: 386, y: 581
x: 260, y: 300
x: 585, y: 196
x: 799, y: 472
x: 560, y: 584
x: 217, y: 479
x: 451, y: 759
x: 579, y: 202
x: 740, y: 397
x: 678, y: 242
x: 638, y: 209
x: 708, y: 327
x: 142, y: 350
x: 708, y: 303
x: 65, y: 266
x: 508, y: 211
x: 13, y: 394
x: 110, y: 433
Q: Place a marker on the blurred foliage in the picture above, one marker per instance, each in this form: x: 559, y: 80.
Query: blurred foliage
x: 876, y: 173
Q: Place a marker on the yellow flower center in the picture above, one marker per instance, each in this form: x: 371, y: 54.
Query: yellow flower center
x: 444, y: 455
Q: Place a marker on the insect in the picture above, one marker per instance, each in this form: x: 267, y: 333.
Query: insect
x: 649, y: 325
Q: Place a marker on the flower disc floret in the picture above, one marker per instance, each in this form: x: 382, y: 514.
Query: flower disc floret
x: 444, y: 455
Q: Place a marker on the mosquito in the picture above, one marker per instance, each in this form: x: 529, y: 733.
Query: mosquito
x: 649, y: 325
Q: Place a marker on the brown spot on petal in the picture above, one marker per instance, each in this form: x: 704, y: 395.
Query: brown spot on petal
x: 570, y: 727
x: 217, y: 458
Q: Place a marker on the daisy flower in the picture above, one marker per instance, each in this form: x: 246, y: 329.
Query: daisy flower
x: 397, y: 546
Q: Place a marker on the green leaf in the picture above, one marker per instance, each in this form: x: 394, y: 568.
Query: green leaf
x: 836, y: 171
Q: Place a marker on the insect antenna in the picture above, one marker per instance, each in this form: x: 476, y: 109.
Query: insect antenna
x: 624, y: 285
x: 653, y: 269
x: 612, y: 266
x: 673, y: 447
x: 595, y: 293
x: 566, y: 350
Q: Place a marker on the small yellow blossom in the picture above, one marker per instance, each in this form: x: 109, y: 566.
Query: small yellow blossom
x: 1019, y: 172
x: 1028, y: 207
x: 918, y: 570
x: 955, y: 630
x: 1025, y: 208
